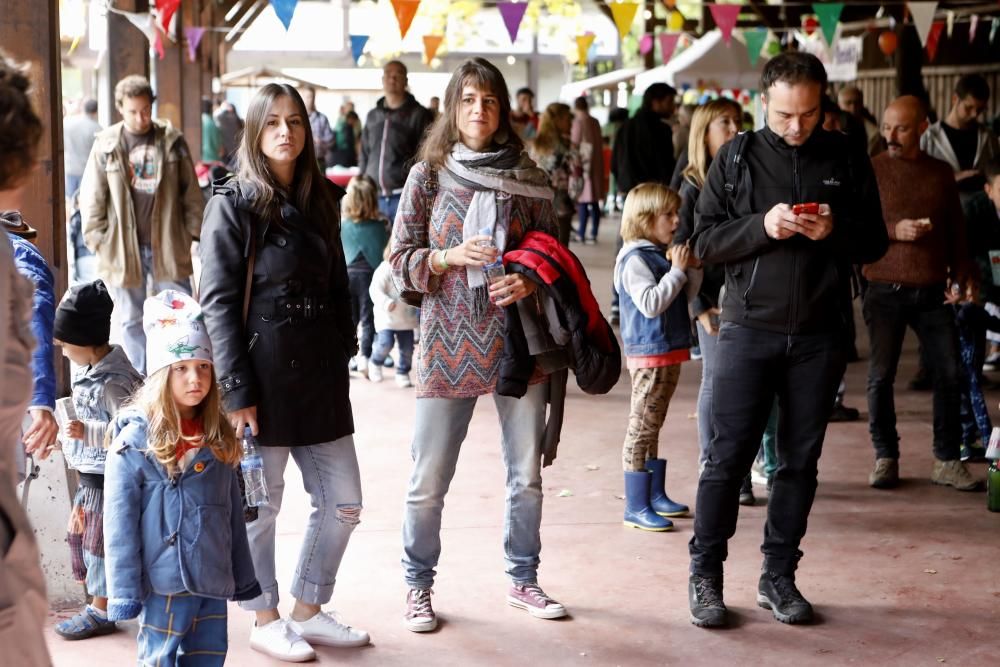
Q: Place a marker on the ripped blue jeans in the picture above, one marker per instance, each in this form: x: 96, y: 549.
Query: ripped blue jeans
x: 330, y: 476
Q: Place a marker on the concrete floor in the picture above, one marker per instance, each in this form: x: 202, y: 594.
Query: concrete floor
x: 903, y: 577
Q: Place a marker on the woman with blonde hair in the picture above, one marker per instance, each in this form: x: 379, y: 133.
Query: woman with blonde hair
x: 712, y: 125
x: 552, y: 151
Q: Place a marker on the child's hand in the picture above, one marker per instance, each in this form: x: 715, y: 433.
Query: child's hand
x: 391, y: 306
x: 952, y: 297
x: 74, y: 430
x: 680, y: 257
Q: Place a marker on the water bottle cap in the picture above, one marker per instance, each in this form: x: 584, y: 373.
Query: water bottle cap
x: 247, y: 433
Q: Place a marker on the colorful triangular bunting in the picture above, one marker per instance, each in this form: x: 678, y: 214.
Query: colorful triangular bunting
x: 583, y: 43
x: 623, y: 14
x: 934, y: 38
x: 754, y: 39
x: 431, y: 45
x: 405, y: 11
x: 973, y: 26
x: 358, y: 43
x: 828, y: 14
x: 193, y: 36
x: 725, y: 16
x: 284, y: 9
x: 646, y: 44
x: 923, y: 17
x: 512, y: 14
x: 165, y: 10
x: 668, y: 44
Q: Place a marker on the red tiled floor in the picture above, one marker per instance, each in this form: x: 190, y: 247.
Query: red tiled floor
x: 904, y: 577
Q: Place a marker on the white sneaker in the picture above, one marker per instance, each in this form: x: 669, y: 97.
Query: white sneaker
x: 403, y: 380
x: 374, y: 372
x: 278, y: 640
x: 362, y: 365
x: 326, y: 630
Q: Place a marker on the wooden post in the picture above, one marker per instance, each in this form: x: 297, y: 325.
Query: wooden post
x: 169, y: 90
x: 29, y: 33
x: 128, y: 48
x: 191, y: 79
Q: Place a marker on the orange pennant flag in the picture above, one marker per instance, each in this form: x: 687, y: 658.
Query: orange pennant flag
x: 624, y: 14
x: 583, y: 43
x: 431, y: 45
x: 405, y: 11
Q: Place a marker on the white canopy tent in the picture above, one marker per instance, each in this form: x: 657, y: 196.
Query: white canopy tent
x: 708, y: 63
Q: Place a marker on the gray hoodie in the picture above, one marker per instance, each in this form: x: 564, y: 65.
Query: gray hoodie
x: 98, y: 393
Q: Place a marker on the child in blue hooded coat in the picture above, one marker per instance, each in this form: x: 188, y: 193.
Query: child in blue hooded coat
x: 176, y: 544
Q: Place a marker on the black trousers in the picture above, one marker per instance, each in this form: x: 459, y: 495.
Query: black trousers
x: 362, y: 308
x: 751, y: 367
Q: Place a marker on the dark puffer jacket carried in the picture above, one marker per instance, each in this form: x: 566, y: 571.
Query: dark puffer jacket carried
x: 291, y: 358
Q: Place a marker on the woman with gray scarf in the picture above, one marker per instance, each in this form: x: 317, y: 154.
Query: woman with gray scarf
x: 474, y: 194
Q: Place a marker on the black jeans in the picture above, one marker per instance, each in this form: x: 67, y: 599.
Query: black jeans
x: 362, y: 309
x: 888, y: 310
x: 751, y: 367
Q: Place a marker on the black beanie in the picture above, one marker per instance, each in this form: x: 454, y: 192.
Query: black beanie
x: 84, y: 316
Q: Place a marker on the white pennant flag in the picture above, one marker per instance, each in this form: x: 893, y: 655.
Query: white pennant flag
x: 143, y: 22
x: 973, y: 25
x: 950, y: 16
x: 923, y: 17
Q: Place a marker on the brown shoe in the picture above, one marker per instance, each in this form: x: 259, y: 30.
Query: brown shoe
x: 885, y: 475
x: 953, y: 473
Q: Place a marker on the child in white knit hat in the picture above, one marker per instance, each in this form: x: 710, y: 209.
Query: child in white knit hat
x: 175, y: 539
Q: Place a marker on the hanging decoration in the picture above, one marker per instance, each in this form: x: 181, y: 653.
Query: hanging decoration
x: 950, y: 18
x: 284, y: 9
x: 829, y: 16
x: 675, y: 21
x: 161, y: 53
x: 973, y: 26
x: 668, y: 44
x: 193, y: 36
x: 646, y: 43
x: 358, y: 43
x: 165, y: 10
x: 888, y: 42
x: 754, y: 39
x: 994, y: 24
x: 934, y: 39
x: 512, y: 14
x: 670, y: 4
x: 923, y: 17
x: 583, y: 43
x: 809, y: 25
x: 405, y: 11
x: 623, y: 14
x: 725, y: 16
x: 773, y: 48
x: 431, y: 45
x: 144, y: 22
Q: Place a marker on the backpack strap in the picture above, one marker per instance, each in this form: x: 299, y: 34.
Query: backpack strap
x: 735, y: 161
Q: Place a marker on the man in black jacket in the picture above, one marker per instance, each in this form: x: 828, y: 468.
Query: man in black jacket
x: 644, y: 147
x: 392, y: 134
x: 783, y: 321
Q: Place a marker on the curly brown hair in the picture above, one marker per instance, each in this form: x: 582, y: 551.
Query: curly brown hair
x: 20, y: 126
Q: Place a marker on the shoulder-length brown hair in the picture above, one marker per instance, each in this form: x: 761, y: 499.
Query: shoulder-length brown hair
x: 443, y: 133
x: 549, y: 137
x: 310, y: 193
x: 703, y: 116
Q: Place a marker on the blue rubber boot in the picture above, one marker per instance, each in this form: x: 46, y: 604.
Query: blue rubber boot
x: 638, y: 513
x: 658, y: 499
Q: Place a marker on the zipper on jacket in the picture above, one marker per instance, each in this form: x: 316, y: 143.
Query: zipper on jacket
x: 381, y: 156
x: 746, y: 294
x: 794, y: 278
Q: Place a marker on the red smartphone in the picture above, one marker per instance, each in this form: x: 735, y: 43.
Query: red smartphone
x: 811, y: 208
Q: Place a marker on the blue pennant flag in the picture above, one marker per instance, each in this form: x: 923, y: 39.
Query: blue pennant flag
x: 284, y: 9
x: 358, y: 43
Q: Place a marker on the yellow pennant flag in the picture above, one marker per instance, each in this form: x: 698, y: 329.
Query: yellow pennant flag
x: 405, y: 11
x: 624, y: 14
x: 431, y: 45
x: 583, y: 43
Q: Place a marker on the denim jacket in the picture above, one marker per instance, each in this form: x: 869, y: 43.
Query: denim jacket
x: 170, y: 535
x: 654, y: 312
x: 98, y: 392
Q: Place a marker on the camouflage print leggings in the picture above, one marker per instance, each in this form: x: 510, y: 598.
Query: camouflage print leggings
x: 652, y: 389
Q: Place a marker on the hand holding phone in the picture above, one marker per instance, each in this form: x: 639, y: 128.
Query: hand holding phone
x: 812, y: 208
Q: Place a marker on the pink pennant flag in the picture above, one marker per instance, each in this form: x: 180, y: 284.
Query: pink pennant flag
x: 193, y: 36
x: 158, y: 45
x: 668, y: 43
x: 512, y: 13
x: 725, y: 16
x: 973, y: 26
x: 934, y: 38
x: 646, y: 44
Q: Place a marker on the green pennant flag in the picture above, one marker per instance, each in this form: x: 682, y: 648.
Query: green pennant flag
x: 828, y: 14
x: 754, y: 39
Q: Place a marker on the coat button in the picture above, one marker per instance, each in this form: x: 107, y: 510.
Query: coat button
x: 295, y: 363
x: 281, y: 242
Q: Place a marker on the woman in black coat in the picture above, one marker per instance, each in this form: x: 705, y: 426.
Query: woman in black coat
x: 281, y: 357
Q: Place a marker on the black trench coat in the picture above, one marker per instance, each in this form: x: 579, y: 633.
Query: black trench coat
x: 290, y: 360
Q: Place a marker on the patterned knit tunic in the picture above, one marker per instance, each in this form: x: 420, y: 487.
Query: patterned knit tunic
x: 459, y: 356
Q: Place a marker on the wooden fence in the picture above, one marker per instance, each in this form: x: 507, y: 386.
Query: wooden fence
x: 879, y: 87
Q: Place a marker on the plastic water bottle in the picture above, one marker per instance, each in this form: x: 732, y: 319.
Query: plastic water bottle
x: 993, y: 487
x: 252, y: 466
x: 493, y: 271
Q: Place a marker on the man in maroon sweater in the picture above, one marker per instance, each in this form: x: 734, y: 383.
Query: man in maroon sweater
x: 927, y: 249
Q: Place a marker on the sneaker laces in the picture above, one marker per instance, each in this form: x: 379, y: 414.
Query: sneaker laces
x: 535, y: 592
x: 420, y: 602
x: 331, y: 617
x: 707, y: 593
x: 786, y: 588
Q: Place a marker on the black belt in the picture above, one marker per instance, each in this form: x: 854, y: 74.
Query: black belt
x: 302, y: 307
x: 92, y: 480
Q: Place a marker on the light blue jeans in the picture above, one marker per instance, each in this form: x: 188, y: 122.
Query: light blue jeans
x: 707, y: 343
x: 331, y: 478
x: 129, y: 302
x: 440, y: 429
